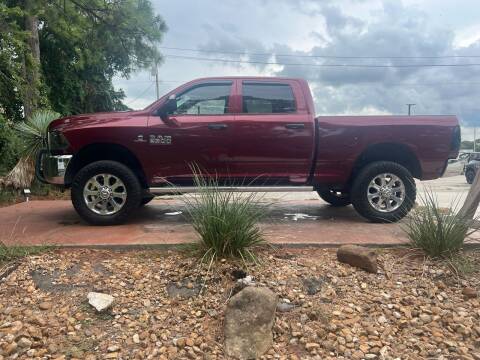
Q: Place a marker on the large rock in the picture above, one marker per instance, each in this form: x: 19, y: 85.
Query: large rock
x: 248, y: 323
x: 100, y: 301
x: 358, y: 256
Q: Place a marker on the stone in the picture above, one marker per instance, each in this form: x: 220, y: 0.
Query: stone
x: 311, y: 346
x: 313, y: 285
x: 469, y: 293
x: 100, y: 301
x: 249, y: 319
x: 185, y: 289
x: 45, y: 305
x: 285, y: 307
x: 10, y: 348
x: 136, y: 339
x: 113, y: 348
x: 24, y: 343
x: 358, y: 256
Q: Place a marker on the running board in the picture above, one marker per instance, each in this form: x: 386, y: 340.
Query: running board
x: 193, y: 189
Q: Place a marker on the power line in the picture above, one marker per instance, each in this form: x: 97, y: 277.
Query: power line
x: 318, y: 56
x: 140, y: 96
x: 318, y: 65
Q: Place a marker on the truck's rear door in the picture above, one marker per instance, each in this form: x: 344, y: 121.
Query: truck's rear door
x: 273, y: 135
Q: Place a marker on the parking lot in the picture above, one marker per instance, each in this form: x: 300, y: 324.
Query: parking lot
x: 293, y: 219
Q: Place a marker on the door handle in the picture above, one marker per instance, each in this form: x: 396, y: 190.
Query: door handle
x: 295, y: 126
x: 217, y: 126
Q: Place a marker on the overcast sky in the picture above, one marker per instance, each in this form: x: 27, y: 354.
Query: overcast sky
x: 387, y: 29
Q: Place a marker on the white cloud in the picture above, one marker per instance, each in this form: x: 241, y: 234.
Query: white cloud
x: 340, y: 27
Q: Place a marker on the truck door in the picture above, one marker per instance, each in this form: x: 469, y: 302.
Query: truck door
x: 273, y: 135
x: 197, y: 132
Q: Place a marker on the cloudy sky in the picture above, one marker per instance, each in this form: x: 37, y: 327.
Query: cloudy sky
x: 390, y: 34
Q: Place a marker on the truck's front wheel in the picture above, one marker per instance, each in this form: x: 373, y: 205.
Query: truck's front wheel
x: 383, y: 191
x: 105, y: 193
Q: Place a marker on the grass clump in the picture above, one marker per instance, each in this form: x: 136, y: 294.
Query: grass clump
x: 9, y: 253
x: 226, y: 221
x: 439, y: 232
x: 12, y: 253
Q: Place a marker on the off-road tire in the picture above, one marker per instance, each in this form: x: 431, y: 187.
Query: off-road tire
x: 360, y: 188
x: 132, y: 185
x: 333, y: 198
x: 470, y: 176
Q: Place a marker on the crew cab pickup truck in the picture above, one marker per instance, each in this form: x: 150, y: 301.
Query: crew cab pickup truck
x: 253, y: 134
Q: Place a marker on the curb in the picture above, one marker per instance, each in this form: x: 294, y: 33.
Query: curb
x: 133, y: 247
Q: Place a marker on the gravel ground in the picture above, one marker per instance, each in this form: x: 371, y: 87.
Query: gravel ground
x: 411, y: 309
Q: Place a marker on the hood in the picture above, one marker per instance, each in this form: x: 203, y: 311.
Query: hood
x: 91, y: 120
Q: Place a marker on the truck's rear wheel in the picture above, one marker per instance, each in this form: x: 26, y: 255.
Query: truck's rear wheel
x: 383, y: 192
x: 334, y: 198
x: 146, y: 199
x: 105, y: 193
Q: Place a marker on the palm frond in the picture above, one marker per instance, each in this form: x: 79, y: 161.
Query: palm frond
x: 33, y: 131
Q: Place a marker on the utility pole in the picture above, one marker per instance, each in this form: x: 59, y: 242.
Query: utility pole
x: 409, y: 108
x: 474, y: 139
x: 155, y: 73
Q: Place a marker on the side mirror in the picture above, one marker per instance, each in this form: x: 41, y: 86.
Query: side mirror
x: 167, y: 108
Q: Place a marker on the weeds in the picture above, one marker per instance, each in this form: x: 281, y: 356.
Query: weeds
x: 227, y: 222
x: 438, y: 232
x: 10, y: 253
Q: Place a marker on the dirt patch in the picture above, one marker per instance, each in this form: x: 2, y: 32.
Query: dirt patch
x: 411, y: 309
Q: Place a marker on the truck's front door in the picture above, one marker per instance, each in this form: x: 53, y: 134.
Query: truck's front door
x: 273, y: 136
x: 197, y: 133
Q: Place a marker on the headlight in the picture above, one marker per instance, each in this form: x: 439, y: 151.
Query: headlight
x: 56, y: 141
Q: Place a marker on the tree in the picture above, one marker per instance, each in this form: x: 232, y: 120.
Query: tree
x: 472, y: 200
x: 34, y: 134
x: 466, y: 145
x: 63, y: 54
x: 85, y: 43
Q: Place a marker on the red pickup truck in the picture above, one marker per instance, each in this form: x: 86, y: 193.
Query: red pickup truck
x: 255, y: 131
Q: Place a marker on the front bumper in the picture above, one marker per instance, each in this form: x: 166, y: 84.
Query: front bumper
x: 50, y: 169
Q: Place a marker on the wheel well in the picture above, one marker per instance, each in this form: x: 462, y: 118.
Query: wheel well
x: 398, y: 153
x: 102, y: 151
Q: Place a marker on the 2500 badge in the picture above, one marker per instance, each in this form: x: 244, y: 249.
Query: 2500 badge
x: 160, y: 140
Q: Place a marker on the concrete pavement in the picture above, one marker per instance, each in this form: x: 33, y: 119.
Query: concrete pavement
x: 295, y: 219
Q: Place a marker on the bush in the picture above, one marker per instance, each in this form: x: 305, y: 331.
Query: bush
x: 227, y: 222
x: 439, y: 232
x: 10, y: 146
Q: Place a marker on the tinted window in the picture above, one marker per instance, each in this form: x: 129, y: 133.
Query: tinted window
x: 205, y: 99
x: 268, y: 98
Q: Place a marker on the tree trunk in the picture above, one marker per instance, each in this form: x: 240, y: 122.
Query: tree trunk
x: 473, y: 199
x: 31, y: 61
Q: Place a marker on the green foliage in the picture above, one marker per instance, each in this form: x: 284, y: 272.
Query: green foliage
x: 11, y: 253
x: 463, y: 264
x: 12, y: 44
x: 468, y: 145
x: 438, y: 232
x: 84, y: 44
x: 34, y: 131
x: 227, y: 222
x: 9, y: 145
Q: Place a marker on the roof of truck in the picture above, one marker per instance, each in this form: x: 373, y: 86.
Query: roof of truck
x: 247, y: 77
